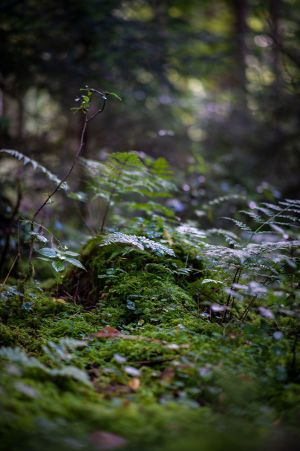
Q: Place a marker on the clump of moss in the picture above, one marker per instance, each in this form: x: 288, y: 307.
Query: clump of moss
x: 129, y: 285
x: 34, y: 319
x: 148, y: 297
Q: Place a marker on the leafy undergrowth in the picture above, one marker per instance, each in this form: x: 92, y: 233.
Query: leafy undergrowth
x: 123, y: 356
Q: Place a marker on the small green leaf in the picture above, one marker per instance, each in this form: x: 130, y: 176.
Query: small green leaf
x: 58, y: 266
x: 75, y: 262
x: 205, y: 281
x: 48, y: 252
x: 82, y: 197
x: 39, y: 237
x: 72, y: 254
x: 113, y: 94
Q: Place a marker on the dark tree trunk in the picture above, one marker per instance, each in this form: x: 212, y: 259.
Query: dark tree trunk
x: 20, y: 118
x: 275, y: 10
x: 240, y: 29
x: 4, y: 128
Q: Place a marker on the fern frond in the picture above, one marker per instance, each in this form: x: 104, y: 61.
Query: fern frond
x: 62, y: 350
x: 70, y: 371
x: 286, y: 224
x: 139, y: 242
x: 230, y: 237
x: 249, y: 252
x: 241, y: 225
x: 272, y: 206
x: 266, y: 211
x: 212, y: 281
x: 187, y: 229
x: 126, y: 172
x: 221, y: 199
x: 291, y: 202
x: 253, y: 215
x: 289, y: 217
x: 19, y: 357
x: 150, y: 207
x: 36, y: 166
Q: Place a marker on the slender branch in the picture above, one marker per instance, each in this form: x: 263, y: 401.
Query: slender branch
x: 64, y: 179
x: 229, y: 298
x: 247, y: 309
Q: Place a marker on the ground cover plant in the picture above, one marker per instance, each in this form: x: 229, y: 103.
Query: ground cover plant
x: 156, y: 333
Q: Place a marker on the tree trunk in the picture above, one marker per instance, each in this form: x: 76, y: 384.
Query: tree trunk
x: 275, y: 9
x: 20, y: 118
x: 240, y: 29
x: 4, y: 120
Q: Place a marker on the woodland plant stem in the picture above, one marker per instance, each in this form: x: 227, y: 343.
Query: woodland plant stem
x: 10, y: 270
x: 246, y: 311
x: 64, y: 179
x: 58, y: 186
x: 229, y: 298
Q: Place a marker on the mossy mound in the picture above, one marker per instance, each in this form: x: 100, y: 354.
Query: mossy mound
x: 130, y: 285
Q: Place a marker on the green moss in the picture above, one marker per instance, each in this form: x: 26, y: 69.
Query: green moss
x: 14, y: 336
x: 193, y: 381
x: 129, y: 285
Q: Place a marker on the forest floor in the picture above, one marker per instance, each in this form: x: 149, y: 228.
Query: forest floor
x: 124, y: 356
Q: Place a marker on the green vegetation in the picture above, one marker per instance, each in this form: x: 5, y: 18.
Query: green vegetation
x: 149, y: 232
x: 156, y: 343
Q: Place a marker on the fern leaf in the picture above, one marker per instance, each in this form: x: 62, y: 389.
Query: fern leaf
x: 212, y: 281
x: 72, y: 372
x: 253, y: 216
x: 19, y: 357
x: 125, y: 172
x: 186, y: 229
x: 139, y: 242
x: 36, y: 166
x: 221, y: 199
x: 272, y: 206
x: 241, y: 225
